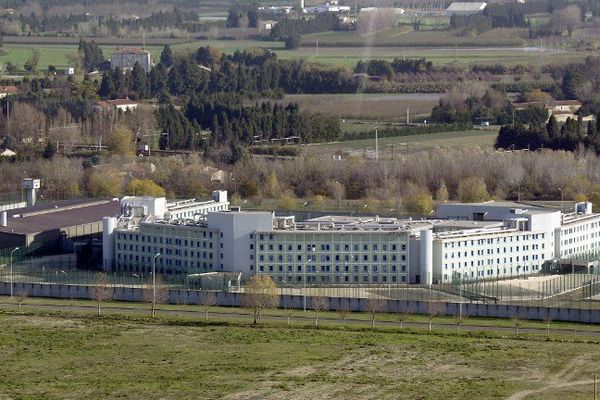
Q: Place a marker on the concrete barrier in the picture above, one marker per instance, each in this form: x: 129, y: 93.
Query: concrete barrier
x: 232, y: 299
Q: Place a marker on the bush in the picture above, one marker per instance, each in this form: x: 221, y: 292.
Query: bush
x: 472, y: 190
x: 292, y: 42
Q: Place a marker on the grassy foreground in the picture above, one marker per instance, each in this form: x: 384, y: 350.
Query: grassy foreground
x: 79, y: 356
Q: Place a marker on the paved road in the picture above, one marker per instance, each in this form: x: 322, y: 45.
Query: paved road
x: 240, y: 315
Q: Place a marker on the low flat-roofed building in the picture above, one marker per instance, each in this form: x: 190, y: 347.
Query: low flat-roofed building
x: 49, y: 225
x: 116, y: 104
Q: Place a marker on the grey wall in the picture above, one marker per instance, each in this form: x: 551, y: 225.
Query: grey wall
x: 290, y: 301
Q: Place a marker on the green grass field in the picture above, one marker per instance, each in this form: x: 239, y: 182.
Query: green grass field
x: 338, y: 48
x: 399, y: 144
x: 78, y: 356
x: 382, y: 107
x: 56, y: 55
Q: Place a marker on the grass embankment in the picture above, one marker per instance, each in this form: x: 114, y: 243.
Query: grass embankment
x: 79, y: 356
x: 392, y: 146
x: 36, y: 304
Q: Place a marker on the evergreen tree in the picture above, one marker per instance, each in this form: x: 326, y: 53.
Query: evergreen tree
x: 166, y: 57
x: 106, y: 86
x: 138, y: 81
x: 553, y: 132
x: 49, y: 151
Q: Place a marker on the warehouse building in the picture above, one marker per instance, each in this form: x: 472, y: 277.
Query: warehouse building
x: 467, y: 242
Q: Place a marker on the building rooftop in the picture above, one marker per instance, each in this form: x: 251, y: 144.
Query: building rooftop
x: 459, y: 6
x: 11, y: 89
x: 130, y: 50
x: 57, y: 215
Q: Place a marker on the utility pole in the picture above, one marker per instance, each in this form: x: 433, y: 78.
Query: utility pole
x: 376, y: 146
x: 407, y: 115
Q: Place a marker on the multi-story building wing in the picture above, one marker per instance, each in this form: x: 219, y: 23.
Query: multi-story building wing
x: 334, y: 255
x: 469, y: 242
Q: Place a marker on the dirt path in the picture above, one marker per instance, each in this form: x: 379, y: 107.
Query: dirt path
x: 561, y: 379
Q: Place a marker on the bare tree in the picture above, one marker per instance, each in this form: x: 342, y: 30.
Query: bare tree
x: 344, y: 310
x: 459, y: 320
x: 181, y: 303
x: 548, y: 321
x: 568, y: 18
x: 20, y: 296
x: 402, y: 315
x: 319, y: 303
x: 209, y: 299
x: 260, y: 294
x: 101, y: 291
x: 374, y: 306
x: 156, y: 295
x: 518, y: 320
x: 434, y: 309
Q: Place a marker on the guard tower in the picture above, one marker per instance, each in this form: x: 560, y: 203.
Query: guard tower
x: 30, y: 185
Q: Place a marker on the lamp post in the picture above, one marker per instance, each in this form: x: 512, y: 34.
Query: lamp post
x: 561, y: 198
x: 460, y: 295
x: 234, y: 185
x: 154, y: 278
x: 312, y: 249
x: 12, y: 280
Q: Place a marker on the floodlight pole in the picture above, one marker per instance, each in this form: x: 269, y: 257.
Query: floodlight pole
x: 312, y: 249
x: 154, y: 278
x: 12, y: 279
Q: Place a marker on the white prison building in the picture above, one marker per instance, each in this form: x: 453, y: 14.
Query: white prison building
x: 467, y: 242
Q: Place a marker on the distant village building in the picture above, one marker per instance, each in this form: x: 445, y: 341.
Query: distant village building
x: 331, y: 6
x: 465, y: 8
x: 116, y: 104
x: 8, y: 90
x: 69, y: 71
x: 126, y: 57
x: 276, y: 9
x: 561, y: 109
x: 266, y: 26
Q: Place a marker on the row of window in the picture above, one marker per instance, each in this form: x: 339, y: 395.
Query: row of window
x: 329, y: 268
x: 505, y: 239
x: 490, y: 261
x: 482, y: 252
x: 340, y: 279
x: 498, y: 272
x: 337, y: 257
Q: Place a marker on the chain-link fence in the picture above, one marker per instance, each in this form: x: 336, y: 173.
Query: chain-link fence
x: 574, y: 290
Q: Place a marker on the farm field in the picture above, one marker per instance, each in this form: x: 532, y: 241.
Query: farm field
x: 331, y: 50
x: 56, y: 55
x: 78, y: 356
x: 396, y: 145
x: 388, y: 107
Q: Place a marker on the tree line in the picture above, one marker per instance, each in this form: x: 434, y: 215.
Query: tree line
x: 388, y: 70
x: 570, y: 136
x: 162, y: 20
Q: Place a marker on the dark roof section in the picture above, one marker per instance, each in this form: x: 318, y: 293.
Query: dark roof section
x: 57, y: 215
